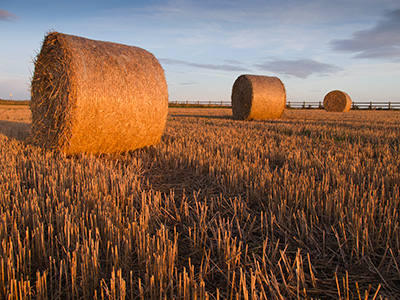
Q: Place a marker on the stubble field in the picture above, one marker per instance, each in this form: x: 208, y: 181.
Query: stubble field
x: 305, y: 207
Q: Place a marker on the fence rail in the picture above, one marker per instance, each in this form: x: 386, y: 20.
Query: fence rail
x: 201, y: 103
x: 354, y: 105
x: 290, y: 104
x: 294, y: 104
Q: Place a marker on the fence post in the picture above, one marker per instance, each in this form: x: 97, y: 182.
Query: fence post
x: 288, y: 105
x: 221, y: 102
x: 304, y: 105
x: 320, y: 105
x: 370, y: 105
x: 389, y: 105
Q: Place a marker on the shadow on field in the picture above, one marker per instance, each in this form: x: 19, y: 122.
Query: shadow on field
x: 15, y: 130
x: 204, y: 116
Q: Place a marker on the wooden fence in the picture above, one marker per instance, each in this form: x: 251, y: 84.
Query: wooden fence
x: 354, y: 105
x: 290, y: 104
x: 294, y: 105
x: 201, y: 103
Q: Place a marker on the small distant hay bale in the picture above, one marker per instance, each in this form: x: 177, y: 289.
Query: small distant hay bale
x: 96, y: 97
x: 258, y: 97
x: 337, y: 101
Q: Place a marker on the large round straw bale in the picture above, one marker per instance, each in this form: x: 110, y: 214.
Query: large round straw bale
x: 337, y: 101
x: 96, y: 97
x: 258, y: 97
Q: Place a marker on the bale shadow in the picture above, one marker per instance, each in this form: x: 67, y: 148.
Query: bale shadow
x: 203, y: 116
x: 19, y: 131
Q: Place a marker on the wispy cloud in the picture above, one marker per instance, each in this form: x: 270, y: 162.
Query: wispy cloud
x: 301, y: 68
x: 222, y: 67
x: 188, y: 83
x: 7, y: 16
x: 381, y: 41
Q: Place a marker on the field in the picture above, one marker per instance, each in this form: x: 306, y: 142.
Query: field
x: 305, y: 207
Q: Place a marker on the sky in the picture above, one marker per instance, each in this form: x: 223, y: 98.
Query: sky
x: 313, y: 46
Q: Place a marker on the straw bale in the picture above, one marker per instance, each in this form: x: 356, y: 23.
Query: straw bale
x: 96, y: 97
x: 258, y: 97
x: 337, y: 101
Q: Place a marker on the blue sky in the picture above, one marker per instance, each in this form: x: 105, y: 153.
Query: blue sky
x: 313, y: 46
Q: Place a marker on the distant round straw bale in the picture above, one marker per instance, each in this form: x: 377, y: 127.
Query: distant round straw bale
x: 258, y: 97
x: 96, y: 97
x: 337, y: 101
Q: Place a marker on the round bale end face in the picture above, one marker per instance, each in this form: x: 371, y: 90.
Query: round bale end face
x: 258, y: 97
x: 242, y: 95
x: 108, y: 97
x: 337, y: 101
x: 52, y: 95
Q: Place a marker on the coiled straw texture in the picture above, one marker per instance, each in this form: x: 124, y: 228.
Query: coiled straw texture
x: 96, y: 97
x: 258, y: 97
